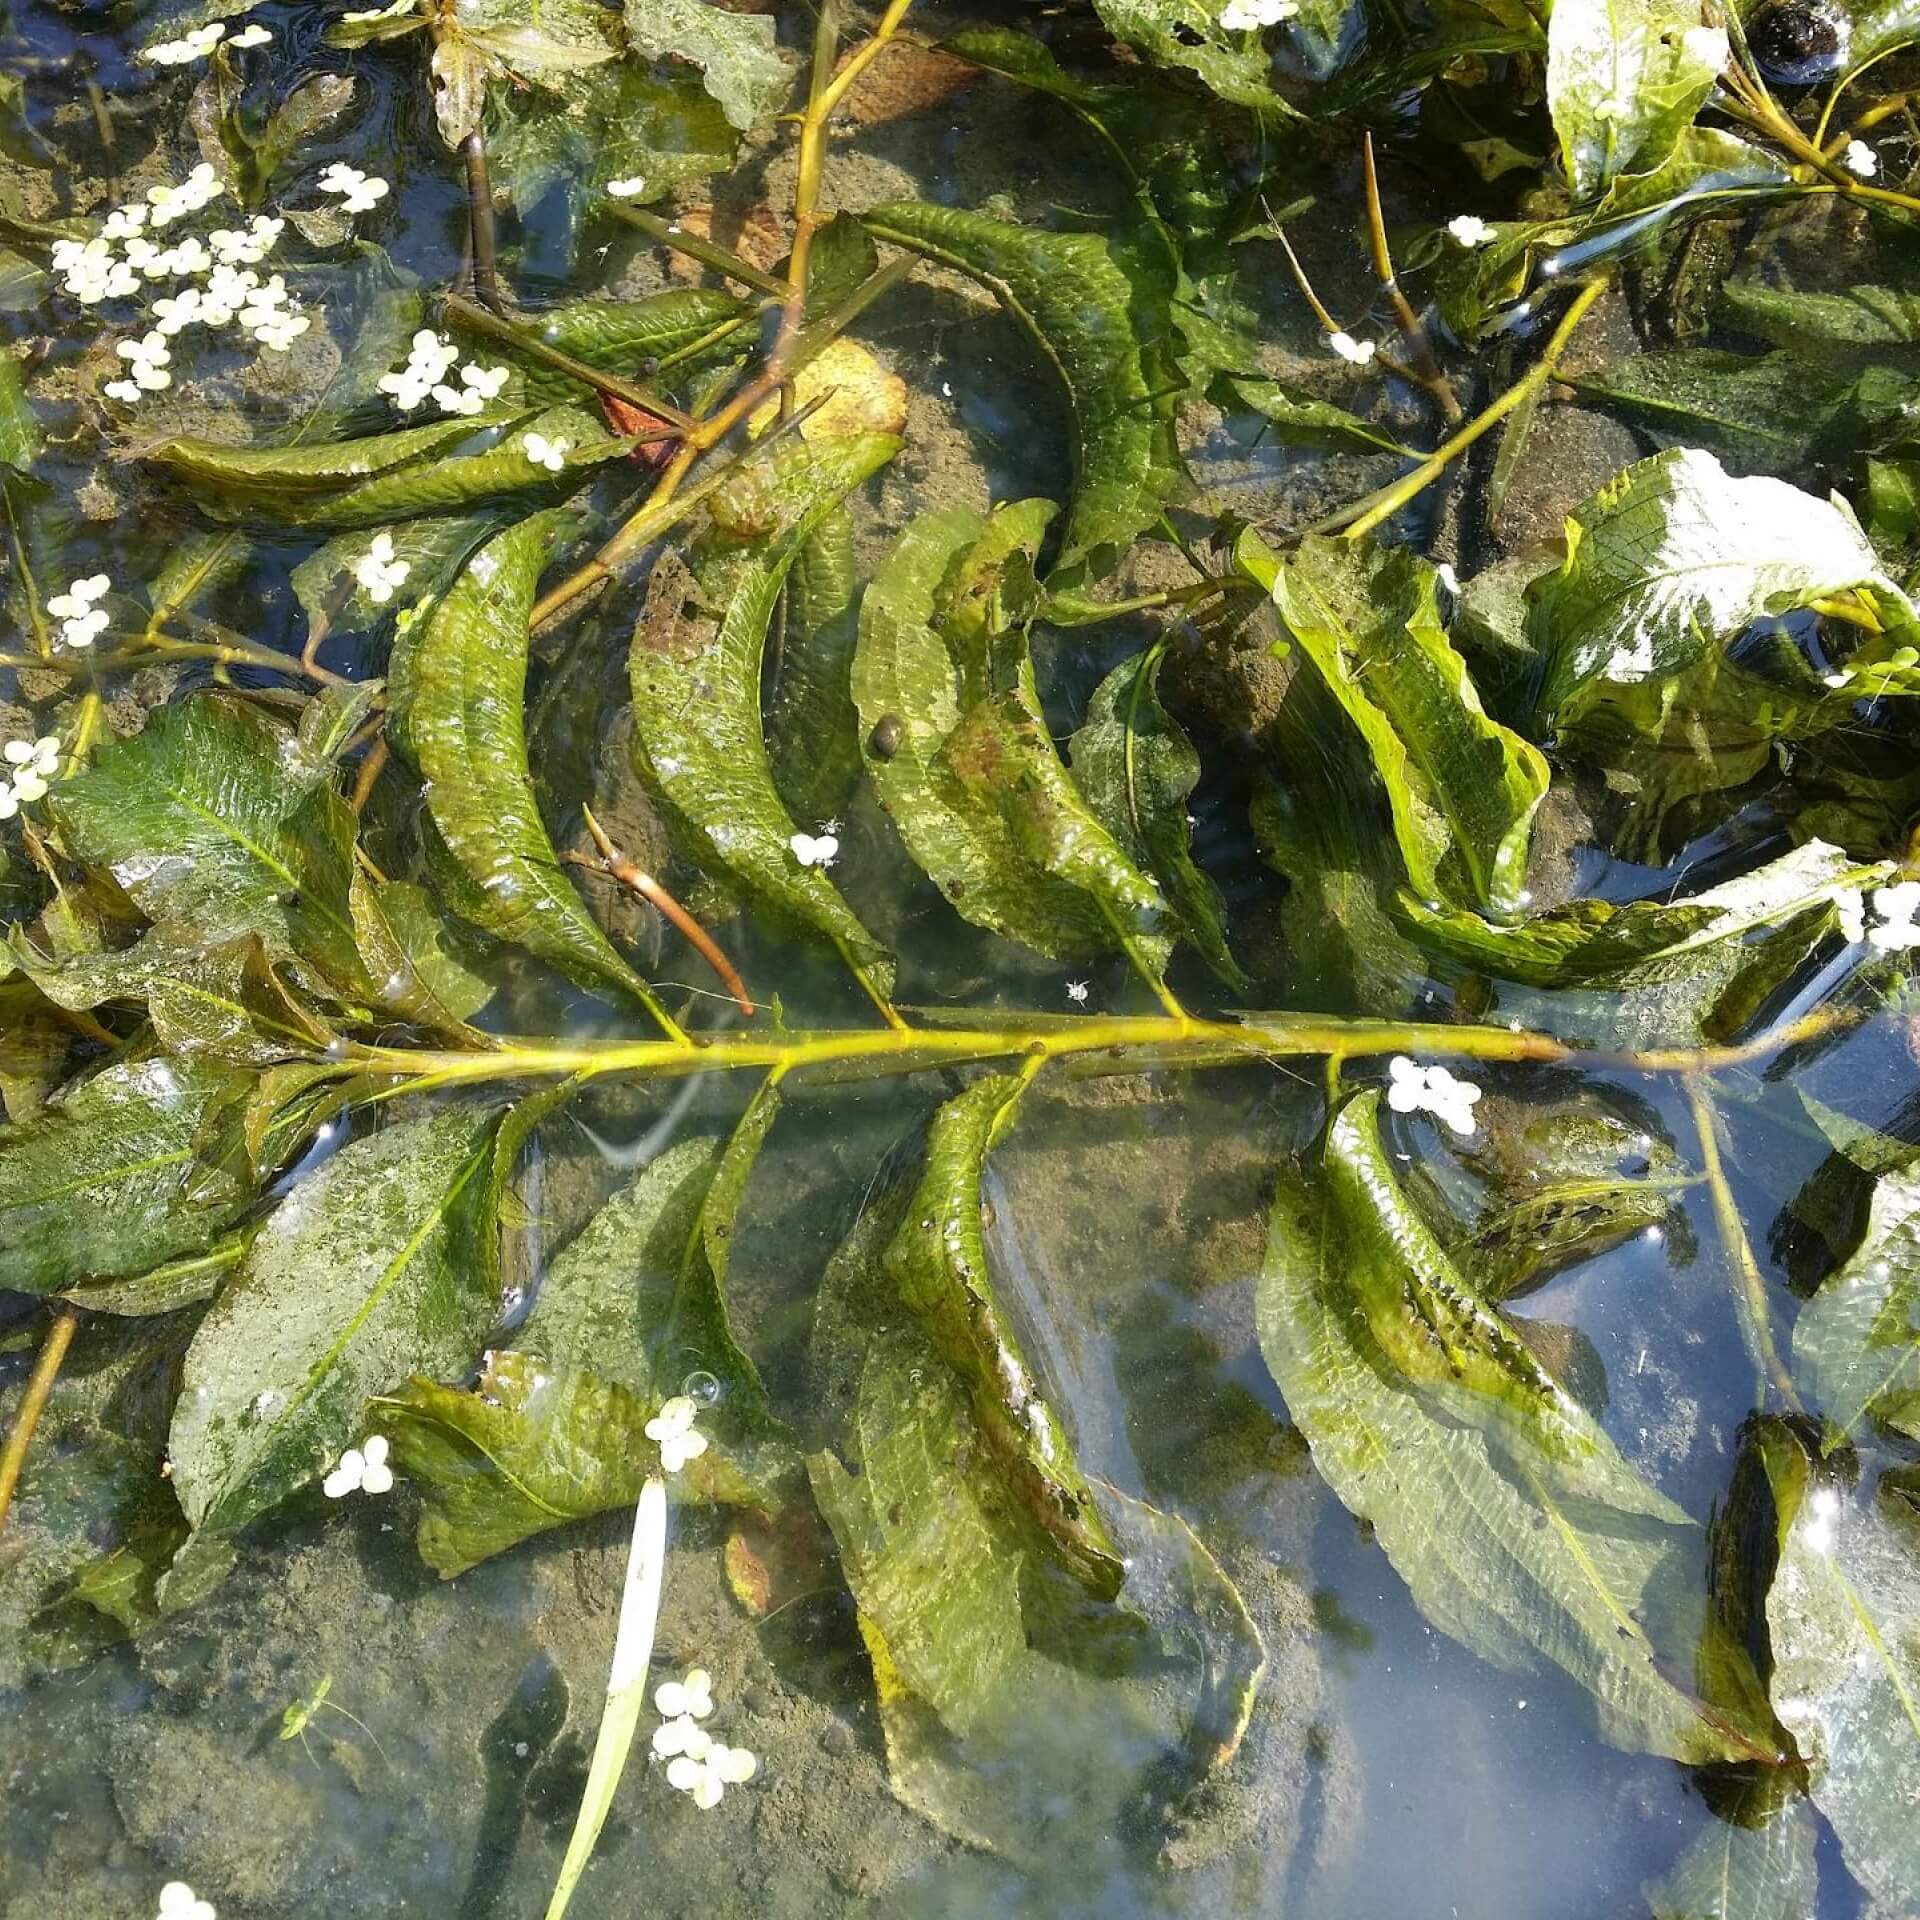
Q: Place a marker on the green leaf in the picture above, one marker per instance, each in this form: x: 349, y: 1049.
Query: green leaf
x: 362, y: 1276
x: 813, y: 744
x: 936, y: 1265
x: 744, y: 69
x: 1599, y: 943
x: 19, y: 430
x: 1297, y: 419
x: 465, y: 729
x: 1099, y: 311
x: 432, y: 550
x: 1840, y: 326
x: 1624, y: 80
x: 497, y: 472
x: 1463, y: 788
x: 1756, y: 1865
x: 1514, y: 1521
x: 1188, y: 34
x: 1138, y: 769
x: 1856, y: 1345
x: 971, y: 777
x: 421, y: 966
x: 95, y: 1184
x: 215, y: 823
x: 1844, y: 1624
x: 695, y: 667
x: 253, y: 476
x: 1673, y: 558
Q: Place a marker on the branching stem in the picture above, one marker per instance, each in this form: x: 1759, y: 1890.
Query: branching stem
x: 1427, y: 370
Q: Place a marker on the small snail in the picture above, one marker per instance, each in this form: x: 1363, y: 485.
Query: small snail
x: 888, y: 735
x: 1800, y: 42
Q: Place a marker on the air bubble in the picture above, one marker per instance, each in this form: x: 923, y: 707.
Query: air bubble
x: 702, y: 1388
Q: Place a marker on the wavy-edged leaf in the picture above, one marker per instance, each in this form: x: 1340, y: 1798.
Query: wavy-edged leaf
x: 736, y: 52
x: 433, y: 550
x: 1099, y: 311
x: 1187, y: 34
x: 1463, y: 788
x: 1672, y: 558
x: 937, y: 1264
x: 969, y: 774
x: 95, y: 1185
x: 1138, y: 769
x: 251, y: 475
x: 1841, y: 326
x: 812, y: 741
x: 465, y: 728
x: 695, y: 667
x: 1856, y: 1345
x: 1843, y: 1624
x: 363, y: 1275
x: 1509, y: 1513
x: 1600, y: 943
x: 500, y: 471
x: 216, y: 823
x: 1624, y: 80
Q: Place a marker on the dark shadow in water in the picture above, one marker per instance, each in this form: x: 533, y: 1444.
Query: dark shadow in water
x: 515, y: 1750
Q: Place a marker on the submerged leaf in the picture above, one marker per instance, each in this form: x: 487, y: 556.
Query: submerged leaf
x: 1099, y: 312
x: 695, y: 668
x: 1464, y: 789
x: 813, y: 743
x: 1138, y: 770
x: 363, y: 1275
x: 1756, y: 1865
x: 275, y: 476
x: 465, y: 727
x: 736, y: 51
x: 1514, y: 1521
x: 961, y: 757
x: 1189, y: 34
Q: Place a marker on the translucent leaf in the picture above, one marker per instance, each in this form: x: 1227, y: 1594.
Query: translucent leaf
x: 1756, y: 1865
x: 1601, y: 943
x: 1673, y: 558
x: 419, y: 965
x: 95, y: 1185
x: 362, y: 1276
x: 1138, y: 770
x: 696, y: 665
x: 1298, y: 419
x: 1514, y: 1521
x: 972, y: 781
x: 812, y: 740
x: 744, y: 69
x: 1099, y: 312
x: 465, y: 728
x: 1188, y: 34
x: 1463, y: 788
x: 1624, y: 80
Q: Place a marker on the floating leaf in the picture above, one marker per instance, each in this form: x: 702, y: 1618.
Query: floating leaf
x: 744, y: 69
x: 1138, y: 770
x: 1674, y: 557
x: 1844, y: 1629
x: 1464, y: 788
x: 360, y: 1277
x: 1856, y: 1345
x: 696, y: 665
x: 465, y: 728
x: 1599, y: 943
x: 96, y: 1184
x: 249, y: 476
x: 1514, y: 1521
x: 1099, y: 312
x: 972, y: 780
x: 1624, y: 80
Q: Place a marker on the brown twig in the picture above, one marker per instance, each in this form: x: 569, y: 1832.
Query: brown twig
x: 486, y: 272
x: 1426, y: 369
x: 33, y: 1402
x: 371, y: 769
x: 612, y: 861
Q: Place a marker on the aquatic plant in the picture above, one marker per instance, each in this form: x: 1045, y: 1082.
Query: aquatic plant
x: 297, y: 952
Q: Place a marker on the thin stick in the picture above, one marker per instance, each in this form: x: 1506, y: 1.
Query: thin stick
x: 612, y: 861
x: 1328, y: 324
x: 33, y: 1402
x: 486, y: 275
x: 697, y: 247
x: 476, y: 319
x: 1427, y: 369
x: 371, y: 769
x: 1364, y: 515
x: 1756, y: 1320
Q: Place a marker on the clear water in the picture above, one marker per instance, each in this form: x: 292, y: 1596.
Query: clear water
x: 1391, y: 1772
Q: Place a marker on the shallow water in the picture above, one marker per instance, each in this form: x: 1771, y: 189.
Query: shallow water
x: 1386, y: 1769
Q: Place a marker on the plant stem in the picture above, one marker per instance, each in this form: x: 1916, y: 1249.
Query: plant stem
x: 1756, y: 1320
x: 1427, y: 370
x: 1363, y: 516
x: 476, y: 319
x: 696, y: 246
x: 33, y: 1402
x: 486, y: 272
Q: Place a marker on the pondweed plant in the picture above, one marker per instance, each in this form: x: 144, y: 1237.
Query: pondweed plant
x: 275, y: 941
